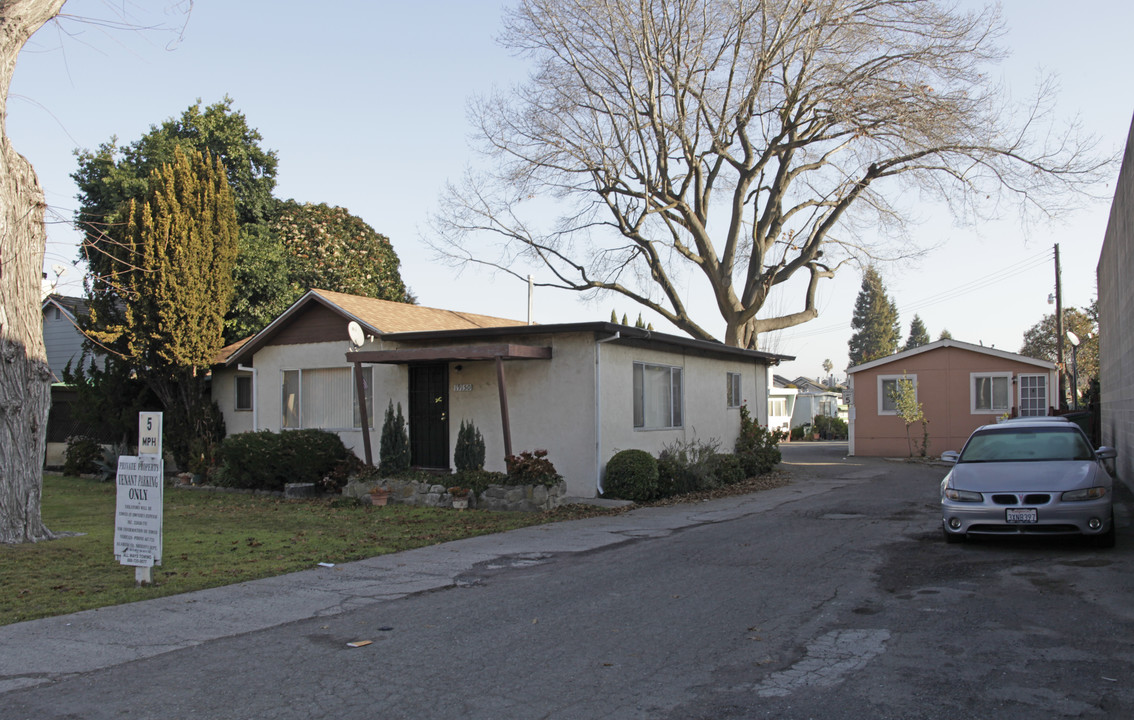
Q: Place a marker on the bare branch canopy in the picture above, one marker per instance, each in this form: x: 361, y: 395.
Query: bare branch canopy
x: 739, y: 143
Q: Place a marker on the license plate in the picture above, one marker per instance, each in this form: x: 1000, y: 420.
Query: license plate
x: 1021, y: 516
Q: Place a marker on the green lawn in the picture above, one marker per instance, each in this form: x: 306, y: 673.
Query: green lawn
x: 213, y: 539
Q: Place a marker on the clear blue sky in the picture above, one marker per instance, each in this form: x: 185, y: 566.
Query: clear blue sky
x: 365, y: 103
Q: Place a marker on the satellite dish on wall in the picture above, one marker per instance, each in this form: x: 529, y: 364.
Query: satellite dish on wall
x: 357, y: 337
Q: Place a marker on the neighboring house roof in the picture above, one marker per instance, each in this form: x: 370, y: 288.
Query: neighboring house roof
x: 408, y: 323
x: 73, y: 306
x: 947, y: 343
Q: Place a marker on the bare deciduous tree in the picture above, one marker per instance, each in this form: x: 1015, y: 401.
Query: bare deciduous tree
x: 742, y: 142
x: 24, y: 375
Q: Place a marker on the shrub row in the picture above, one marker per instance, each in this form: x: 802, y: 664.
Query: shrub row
x: 265, y: 460
x: 693, y: 466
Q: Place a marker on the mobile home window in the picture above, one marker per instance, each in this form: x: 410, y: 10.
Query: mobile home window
x: 733, y: 390
x: 657, y: 396
x: 325, y: 398
x: 991, y: 393
x: 887, y: 387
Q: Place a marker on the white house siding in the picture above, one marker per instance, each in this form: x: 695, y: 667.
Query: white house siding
x: 706, y: 415
x: 553, y: 404
x: 1116, y: 320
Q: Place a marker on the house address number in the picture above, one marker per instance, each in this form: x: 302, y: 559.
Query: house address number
x: 465, y: 387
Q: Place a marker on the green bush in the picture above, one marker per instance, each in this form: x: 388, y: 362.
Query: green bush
x: 688, y: 466
x: 265, y: 460
x: 631, y: 475
x: 81, y: 455
x: 469, y: 452
x: 393, y: 444
x: 757, y: 447
x: 531, y: 468
x: 830, y: 428
x: 730, y: 469
x: 478, y: 480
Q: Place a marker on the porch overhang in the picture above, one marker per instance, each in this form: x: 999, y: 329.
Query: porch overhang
x: 502, y: 351
x: 498, y: 352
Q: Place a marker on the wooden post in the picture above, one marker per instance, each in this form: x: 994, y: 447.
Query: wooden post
x: 503, y: 389
x: 360, y: 388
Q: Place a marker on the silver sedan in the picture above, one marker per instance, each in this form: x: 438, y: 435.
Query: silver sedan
x: 1037, y: 478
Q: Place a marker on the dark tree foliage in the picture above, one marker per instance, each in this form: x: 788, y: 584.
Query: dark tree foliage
x: 1040, y: 342
x: 469, y: 451
x: 110, y: 177
x: 918, y: 334
x: 875, y: 321
x: 175, y: 275
x: 330, y: 249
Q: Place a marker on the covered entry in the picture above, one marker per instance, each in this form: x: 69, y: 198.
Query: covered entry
x: 429, y: 367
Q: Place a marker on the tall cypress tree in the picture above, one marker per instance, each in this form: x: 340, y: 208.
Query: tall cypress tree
x: 171, y: 290
x: 918, y: 334
x: 875, y: 321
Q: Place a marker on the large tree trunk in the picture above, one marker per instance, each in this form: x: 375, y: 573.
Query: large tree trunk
x: 24, y: 387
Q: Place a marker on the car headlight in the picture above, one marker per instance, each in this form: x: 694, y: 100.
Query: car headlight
x: 963, y: 495
x: 1086, y: 494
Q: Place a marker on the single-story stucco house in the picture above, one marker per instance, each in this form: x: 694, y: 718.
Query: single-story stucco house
x: 960, y: 387
x: 581, y: 391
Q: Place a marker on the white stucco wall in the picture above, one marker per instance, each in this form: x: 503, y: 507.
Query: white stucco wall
x: 555, y: 405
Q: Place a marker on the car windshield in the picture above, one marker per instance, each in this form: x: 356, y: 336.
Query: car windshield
x: 1019, y: 444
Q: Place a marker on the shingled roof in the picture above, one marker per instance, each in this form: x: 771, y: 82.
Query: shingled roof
x: 390, y: 317
x: 377, y: 317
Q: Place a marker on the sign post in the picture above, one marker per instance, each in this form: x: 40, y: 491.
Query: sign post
x: 140, y: 497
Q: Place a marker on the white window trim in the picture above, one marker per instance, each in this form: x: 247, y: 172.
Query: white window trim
x: 881, y: 379
x: 973, y: 396
x: 236, y: 393
x: 681, y: 398
x: 739, y: 390
x: 1047, y: 390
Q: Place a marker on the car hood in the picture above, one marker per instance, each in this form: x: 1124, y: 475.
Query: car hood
x: 1044, y: 476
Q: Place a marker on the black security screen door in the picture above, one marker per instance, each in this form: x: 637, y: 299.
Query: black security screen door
x: 429, y: 415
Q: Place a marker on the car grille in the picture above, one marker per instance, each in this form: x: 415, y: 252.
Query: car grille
x: 1029, y: 499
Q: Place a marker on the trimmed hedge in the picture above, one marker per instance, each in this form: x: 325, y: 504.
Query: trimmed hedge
x: 264, y: 460
x: 631, y: 475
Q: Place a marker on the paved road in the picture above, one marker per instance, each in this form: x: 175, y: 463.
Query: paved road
x: 831, y: 598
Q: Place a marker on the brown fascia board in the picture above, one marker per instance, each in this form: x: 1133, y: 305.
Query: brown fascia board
x: 636, y: 337
x: 258, y: 340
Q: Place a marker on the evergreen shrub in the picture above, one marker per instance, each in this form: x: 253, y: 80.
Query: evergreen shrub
x: 631, y: 475
x: 469, y: 452
x: 688, y: 466
x: 264, y: 460
x: 81, y: 455
x: 393, y: 445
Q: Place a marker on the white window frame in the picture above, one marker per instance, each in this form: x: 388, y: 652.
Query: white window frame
x: 734, y: 394
x: 299, y: 422
x: 882, y: 379
x: 676, y: 386
x: 236, y: 406
x: 779, y: 401
x: 993, y: 376
x: 1046, y: 396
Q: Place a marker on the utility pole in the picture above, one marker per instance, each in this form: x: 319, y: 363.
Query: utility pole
x: 1059, y: 334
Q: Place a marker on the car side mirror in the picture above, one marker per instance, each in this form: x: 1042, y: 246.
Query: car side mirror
x: 1106, y: 453
x: 950, y: 456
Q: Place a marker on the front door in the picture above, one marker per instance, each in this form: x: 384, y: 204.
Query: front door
x: 429, y: 416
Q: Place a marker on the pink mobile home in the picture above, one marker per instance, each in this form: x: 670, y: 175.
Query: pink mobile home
x: 960, y: 387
